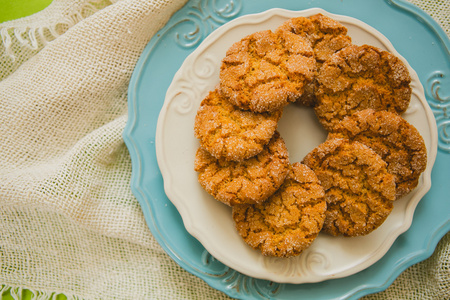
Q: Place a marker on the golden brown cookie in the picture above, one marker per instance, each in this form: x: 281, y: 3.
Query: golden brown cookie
x: 398, y: 142
x: 226, y: 131
x: 250, y: 181
x: 359, y: 191
x: 327, y: 36
x: 265, y: 70
x: 289, y: 221
x: 360, y: 77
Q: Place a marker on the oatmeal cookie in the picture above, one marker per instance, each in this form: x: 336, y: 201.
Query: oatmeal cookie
x: 289, y: 221
x: 250, y: 181
x: 226, y: 131
x: 265, y: 70
x: 360, y: 77
x: 359, y: 191
x: 398, y: 142
x: 326, y: 35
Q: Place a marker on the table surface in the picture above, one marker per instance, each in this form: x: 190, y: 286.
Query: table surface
x: 15, y: 9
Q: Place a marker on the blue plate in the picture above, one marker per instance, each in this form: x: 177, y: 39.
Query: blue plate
x: 414, y: 35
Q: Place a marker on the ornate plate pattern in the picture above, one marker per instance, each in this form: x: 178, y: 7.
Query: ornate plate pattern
x: 412, y: 33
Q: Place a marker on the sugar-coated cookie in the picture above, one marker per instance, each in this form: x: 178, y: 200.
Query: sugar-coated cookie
x: 226, y: 131
x: 360, y: 77
x: 265, y: 71
x: 289, y: 221
x: 398, y: 142
x: 250, y: 181
x: 327, y: 36
x: 359, y: 191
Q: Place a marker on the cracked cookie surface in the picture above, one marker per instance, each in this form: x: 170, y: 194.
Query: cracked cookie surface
x: 289, y: 221
x: 265, y: 71
x: 359, y: 191
x: 226, y: 131
x: 326, y: 35
x: 398, y: 142
x: 250, y: 181
x: 357, y: 78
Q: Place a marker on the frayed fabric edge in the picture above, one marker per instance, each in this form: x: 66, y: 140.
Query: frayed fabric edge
x: 35, y: 37
x: 17, y: 293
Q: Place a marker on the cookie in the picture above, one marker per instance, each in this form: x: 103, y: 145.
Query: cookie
x: 359, y: 191
x: 326, y: 35
x: 250, y: 181
x: 226, y: 131
x: 265, y: 71
x: 360, y: 77
x: 289, y: 221
x: 398, y: 142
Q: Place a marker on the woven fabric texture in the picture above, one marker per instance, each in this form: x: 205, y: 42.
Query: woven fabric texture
x: 69, y: 223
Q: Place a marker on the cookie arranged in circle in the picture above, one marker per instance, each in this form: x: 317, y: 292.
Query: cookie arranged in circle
x: 265, y: 71
x: 359, y: 191
x: 250, y: 181
x: 360, y: 77
x: 398, y: 142
x: 289, y: 221
x: 326, y: 35
x: 226, y: 131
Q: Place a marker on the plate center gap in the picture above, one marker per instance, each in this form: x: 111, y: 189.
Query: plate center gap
x: 301, y: 131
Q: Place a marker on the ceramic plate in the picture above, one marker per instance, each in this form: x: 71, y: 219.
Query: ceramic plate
x: 210, y: 221
x: 411, y: 32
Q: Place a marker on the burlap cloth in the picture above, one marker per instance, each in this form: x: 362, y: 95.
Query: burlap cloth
x: 69, y: 222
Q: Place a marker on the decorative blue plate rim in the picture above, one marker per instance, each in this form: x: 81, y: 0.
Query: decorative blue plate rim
x: 199, y: 18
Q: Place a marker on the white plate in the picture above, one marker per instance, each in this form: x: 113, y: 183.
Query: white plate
x: 210, y: 221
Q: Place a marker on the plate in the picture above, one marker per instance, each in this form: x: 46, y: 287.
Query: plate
x: 412, y: 33
x: 211, y: 222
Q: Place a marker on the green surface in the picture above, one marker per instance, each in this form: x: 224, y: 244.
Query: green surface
x: 15, y: 9
x: 26, y: 295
